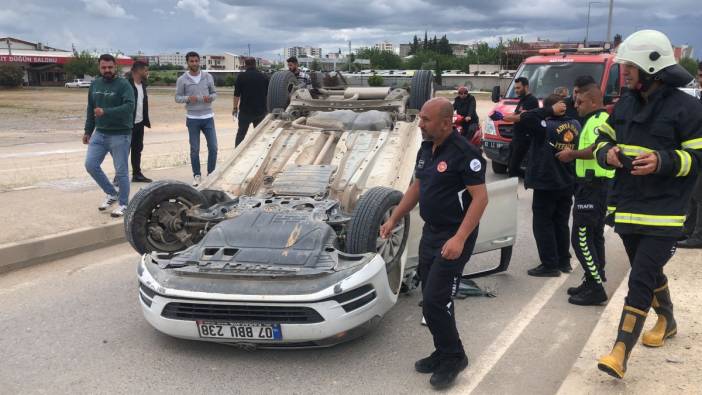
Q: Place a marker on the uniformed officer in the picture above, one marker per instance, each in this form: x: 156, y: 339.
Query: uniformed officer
x: 654, y: 140
x: 519, y: 146
x: 590, y: 206
x: 450, y: 188
x: 553, y: 182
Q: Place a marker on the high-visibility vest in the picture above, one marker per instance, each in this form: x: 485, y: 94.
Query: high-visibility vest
x: 588, y: 168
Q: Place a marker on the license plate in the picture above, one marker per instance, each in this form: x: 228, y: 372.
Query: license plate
x: 492, y: 144
x: 239, y: 330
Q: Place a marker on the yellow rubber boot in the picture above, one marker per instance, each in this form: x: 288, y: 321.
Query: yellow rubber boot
x: 665, y: 325
x: 630, y: 327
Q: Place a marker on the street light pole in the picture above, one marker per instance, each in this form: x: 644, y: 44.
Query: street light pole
x: 609, y: 21
x: 587, y: 27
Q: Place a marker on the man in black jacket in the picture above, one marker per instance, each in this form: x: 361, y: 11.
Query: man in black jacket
x: 137, y: 78
x: 553, y: 182
x: 580, y: 83
x: 250, y: 90
x: 465, y: 106
x: 519, y: 146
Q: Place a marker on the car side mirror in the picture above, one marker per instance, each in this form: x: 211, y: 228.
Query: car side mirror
x: 495, y: 93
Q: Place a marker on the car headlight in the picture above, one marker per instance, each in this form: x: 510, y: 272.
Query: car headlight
x: 490, y: 128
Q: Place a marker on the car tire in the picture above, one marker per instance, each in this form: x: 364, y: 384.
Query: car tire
x: 317, y: 79
x: 499, y: 168
x: 280, y: 88
x: 421, y: 89
x: 363, y: 232
x: 144, y: 210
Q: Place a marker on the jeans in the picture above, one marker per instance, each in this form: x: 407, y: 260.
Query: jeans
x: 244, y: 121
x: 195, y: 126
x: 118, y: 146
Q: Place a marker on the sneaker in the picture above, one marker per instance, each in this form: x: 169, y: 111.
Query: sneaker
x: 428, y: 364
x: 565, y: 268
x: 593, y: 295
x: 141, y: 178
x: 118, y: 212
x: 448, y: 370
x: 109, y: 201
x: 544, y: 271
x: 197, y: 180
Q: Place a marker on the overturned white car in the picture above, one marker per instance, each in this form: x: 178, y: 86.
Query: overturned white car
x: 280, y: 247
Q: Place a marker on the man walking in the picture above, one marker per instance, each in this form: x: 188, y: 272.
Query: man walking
x: 108, y: 128
x: 519, y: 146
x: 654, y: 141
x: 552, y: 181
x: 450, y: 189
x: 693, y: 222
x: 197, y: 90
x: 137, y: 78
x: 250, y: 90
x: 590, y: 207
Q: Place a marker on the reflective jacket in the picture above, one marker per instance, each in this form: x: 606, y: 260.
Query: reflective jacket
x: 588, y: 169
x: 669, y: 124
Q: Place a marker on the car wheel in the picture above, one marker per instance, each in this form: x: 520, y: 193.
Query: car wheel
x: 280, y: 88
x: 156, y: 217
x: 421, y: 89
x: 363, y: 233
x: 499, y: 168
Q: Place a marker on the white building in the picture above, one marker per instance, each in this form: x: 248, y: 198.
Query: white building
x: 302, y: 52
x: 385, y: 46
x: 176, y: 59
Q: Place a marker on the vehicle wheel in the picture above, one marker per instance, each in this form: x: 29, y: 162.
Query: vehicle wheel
x: 499, y: 168
x: 280, y: 87
x: 421, y: 89
x: 317, y: 78
x: 155, y: 217
x: 363, y: 232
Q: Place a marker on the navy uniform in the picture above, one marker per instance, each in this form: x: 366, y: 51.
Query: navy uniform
x: 443, y: 202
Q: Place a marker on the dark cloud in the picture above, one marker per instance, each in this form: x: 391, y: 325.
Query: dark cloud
x: 154, y: 26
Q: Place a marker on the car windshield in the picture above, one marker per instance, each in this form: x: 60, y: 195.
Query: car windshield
x: 544, y: 78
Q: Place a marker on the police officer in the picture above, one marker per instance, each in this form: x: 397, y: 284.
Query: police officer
x: 552, y: 181
x: 654, y: 140
x: 450, y: 188
x: 519, y: 146
x: 590, y: 205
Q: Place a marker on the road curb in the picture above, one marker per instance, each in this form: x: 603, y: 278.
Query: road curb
x: 26, y: 253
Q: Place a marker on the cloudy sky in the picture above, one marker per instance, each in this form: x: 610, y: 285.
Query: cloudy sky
x: 211, y: 26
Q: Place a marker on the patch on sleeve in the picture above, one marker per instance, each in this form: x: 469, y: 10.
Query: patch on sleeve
x: 475, y: 165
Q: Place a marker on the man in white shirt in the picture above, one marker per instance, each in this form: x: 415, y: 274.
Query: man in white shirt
x: 138, y: 78
x: 197, y: 91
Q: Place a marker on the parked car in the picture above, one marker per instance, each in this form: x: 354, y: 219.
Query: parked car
x: 77, y: 83
x: 280, y: 246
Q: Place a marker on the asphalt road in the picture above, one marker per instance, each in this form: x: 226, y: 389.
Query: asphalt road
x: 75, y: 325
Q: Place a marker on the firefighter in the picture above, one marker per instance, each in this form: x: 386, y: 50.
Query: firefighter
x: 654, y: 141
x: 590, y: 205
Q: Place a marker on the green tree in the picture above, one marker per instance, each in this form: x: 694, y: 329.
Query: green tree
x: 315, y: 66
x: 376, y: 80
x: 380, y: 59
x: 81, y: 64
x: 444, y: 47
x: 11, y: 75
x: 691, y: 65
x: 229, y: 80
x: 426, y: 41
x: 414, y: 46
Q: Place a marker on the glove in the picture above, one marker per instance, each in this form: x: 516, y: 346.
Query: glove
x: 497, y: 116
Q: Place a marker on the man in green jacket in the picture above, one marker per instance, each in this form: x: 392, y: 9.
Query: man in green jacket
x: 108, y: 129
